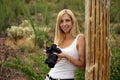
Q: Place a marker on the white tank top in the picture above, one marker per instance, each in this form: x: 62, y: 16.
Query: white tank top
x: 65, y: 69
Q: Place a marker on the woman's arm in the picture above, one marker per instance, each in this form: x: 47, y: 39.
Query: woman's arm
x: 81, y: 51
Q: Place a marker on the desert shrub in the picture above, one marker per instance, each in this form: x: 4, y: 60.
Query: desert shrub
x: 115, y: 64
x: 33, y: 67
x: 42, y: 36
x: 117, y: 29
x: 79, y: 74
x: 115, y: 57
x: 9, y: 10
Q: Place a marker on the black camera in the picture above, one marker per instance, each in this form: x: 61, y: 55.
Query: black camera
x: 52, y: 58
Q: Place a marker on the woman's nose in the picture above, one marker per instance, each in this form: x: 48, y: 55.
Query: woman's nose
x: 64, y: 23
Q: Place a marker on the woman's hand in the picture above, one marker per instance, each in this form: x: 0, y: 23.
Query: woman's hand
x: 44, y: 52
x: 60, y: 56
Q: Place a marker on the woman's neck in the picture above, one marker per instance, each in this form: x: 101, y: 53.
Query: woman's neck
x: 68, y: 36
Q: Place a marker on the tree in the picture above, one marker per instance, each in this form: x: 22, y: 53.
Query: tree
x: 97, y: 22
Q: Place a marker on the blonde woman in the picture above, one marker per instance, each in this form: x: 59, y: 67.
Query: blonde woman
x: 72, y: 43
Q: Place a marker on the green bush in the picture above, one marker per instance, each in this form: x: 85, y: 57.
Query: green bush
x: 33, y: 67
x: 9, y: 10
x: 79, y: 74
x: 115, y: 11
x: 115, y: 64
x: 117, y: 29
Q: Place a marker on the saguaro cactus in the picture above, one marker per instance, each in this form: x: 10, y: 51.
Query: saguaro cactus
x: 97, y: 39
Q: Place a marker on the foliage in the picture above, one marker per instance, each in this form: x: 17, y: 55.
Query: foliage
x: 24, y: 30
x: 115, y: 64
x: 115, y: 57
x: 79, y: 74
x: 9, y: 11
x: 115, y: 11
x: 114, y: 16
x: 33, y: 67
x: 116, y: 28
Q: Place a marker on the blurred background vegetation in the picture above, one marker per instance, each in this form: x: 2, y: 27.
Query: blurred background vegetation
x: 42, y: 14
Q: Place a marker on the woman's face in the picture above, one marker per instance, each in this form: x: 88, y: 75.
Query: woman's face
x: 66, y: 23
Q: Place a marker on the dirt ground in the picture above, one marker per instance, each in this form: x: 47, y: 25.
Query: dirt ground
x: 6, y: 73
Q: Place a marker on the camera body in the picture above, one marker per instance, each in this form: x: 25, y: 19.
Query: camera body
x: 52, y: 58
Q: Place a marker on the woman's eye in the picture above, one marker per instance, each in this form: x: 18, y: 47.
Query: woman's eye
x: 67, y: 20
x: 61, y: 21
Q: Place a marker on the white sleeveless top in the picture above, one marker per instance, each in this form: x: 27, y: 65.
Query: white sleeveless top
x: 65, y: 69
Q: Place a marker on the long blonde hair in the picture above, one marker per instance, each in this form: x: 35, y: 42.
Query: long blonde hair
x: 59, y: 35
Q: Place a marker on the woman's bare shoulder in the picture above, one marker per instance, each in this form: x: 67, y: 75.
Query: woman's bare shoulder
x: 81, y: 39
x: 81, y: 35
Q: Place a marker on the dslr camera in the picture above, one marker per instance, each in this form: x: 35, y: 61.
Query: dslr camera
x: 52, y: 58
